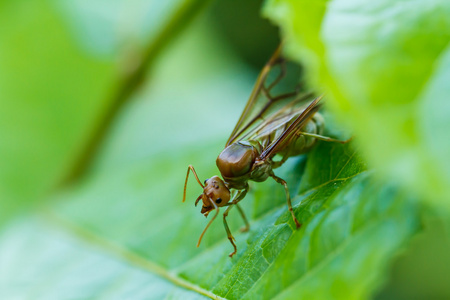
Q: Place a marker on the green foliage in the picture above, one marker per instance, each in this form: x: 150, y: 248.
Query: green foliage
x: 351, y: 228
x: 49, y: 103
x: 121, y: 231
x: 386, y: 67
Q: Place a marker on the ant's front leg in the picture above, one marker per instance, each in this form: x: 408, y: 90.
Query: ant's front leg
x: 238, y: 198
x: 227, y: 229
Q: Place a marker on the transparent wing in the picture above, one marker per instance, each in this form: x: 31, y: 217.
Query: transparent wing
x: 285, y: 138
x: 279, y: 118
x: 272, y: 92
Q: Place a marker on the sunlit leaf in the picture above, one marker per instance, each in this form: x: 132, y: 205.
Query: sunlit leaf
x: 386, y: 66
x: 351, y: 229
x: 122, y: 231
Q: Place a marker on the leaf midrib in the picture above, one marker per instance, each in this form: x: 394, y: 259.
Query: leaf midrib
x: 127, y: 255
x: 138, y: 260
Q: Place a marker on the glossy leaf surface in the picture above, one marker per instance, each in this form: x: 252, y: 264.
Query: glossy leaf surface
x: 386, y: 65
x: 351, y: 230
x: 122, y: 231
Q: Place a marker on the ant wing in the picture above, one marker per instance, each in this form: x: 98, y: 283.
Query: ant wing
x: 285, y: 137
x: 272, y: 91
x: 274, y: 125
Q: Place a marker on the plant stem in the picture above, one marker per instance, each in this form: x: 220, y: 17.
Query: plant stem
x: 129, y: 83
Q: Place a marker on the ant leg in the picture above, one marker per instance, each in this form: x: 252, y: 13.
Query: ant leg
x: 238, y: 198
x: 288, y: 197
x: 279, y: 163
x: 247, y: 225
x: 229, y: 235
x: 325, y: 138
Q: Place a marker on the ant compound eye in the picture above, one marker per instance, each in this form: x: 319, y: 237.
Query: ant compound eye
x: 218, y: 200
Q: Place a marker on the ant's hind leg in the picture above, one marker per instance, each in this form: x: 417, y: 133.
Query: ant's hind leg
x: 325, y: 138
x: 288, y: 198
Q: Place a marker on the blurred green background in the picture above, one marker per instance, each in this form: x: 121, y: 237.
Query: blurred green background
x: 103, y: 105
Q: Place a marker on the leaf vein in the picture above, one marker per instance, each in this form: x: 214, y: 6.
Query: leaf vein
x: 123, y: 253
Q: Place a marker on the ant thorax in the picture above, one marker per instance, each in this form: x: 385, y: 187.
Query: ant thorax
x: 237, y: 159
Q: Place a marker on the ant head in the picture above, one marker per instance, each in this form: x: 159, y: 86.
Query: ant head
x: 214, y: 190
x: 215, y: 194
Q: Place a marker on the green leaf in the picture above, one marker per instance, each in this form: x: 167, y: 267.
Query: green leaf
x: 351, y: 230
x: 122, y: 231
x: 386, y: 66
x: 132, y: 214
